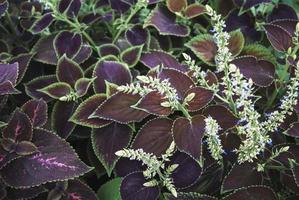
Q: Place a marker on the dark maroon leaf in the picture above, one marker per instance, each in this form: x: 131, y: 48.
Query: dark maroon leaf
x: 82, y: 85
x: 180, y: 81
x: 69, y: 7
x: 202, y: 98
x: 155, y: 136
x: 8, y: 88
x: 288, y: 24
x: 194, y: 10
x: 118, y: 108
x: 188, y: 171
x: 3, y: 7
x: 6, y: 157
x: 86, y: 108
x: 225, y: 118
x: 61, y: 114
x: 77, y: 190
x: 9, y: 72
x: 108, y: 140
x: 282, y: 11
x: 57, y: 90
x: 112, y: 71
x: 244, y: 22
x: 33, y: 87
x: 262, y: 72
x: 41, y: 24
x: 176, y: 5
x: 189, y: 196
x: 155, y: 58
x: 67, y: 43
x: 137, y: 35
x: 253, y: 193
x: 68, y: 71
x: 279, y: 38
x: 125, y: 166
x: 236, y: 179
x: 44, y: 50
x: 131, y: 55
x: 19, y: 127
x: 293, y: 131
x: 83, y: 54
x: 164, y: 21
x: 27, y: 193
x: 25, y: 148
x: 188, y: 134
x: 55, y: 161
x: 119, y: 6
x: 132, y: 188
x: 37, y: 111
x: 23, y: 60
x: 151, y: 103
x: 109, y: 49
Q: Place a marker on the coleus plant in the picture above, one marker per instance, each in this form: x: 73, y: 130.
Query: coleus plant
x: 149, y: 99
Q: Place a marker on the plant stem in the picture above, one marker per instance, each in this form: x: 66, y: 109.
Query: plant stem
x: 184, y: 111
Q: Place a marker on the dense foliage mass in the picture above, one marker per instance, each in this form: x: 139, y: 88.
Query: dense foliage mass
x: 149, y: 99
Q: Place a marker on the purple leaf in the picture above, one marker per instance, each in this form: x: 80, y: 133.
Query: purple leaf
x: 155, y: 136
x: 60, y: 121
x: 201, y: 99
x: 108, y: 140
x: 86, y: 108
x: 225, y: 118
x: 37, y: 111
x: 287, y: 24
x: 250, y: 3
x: 57, y: 90
x: 111, y: 71
x: 33, y: 87
x: 69, y: 7
x: 137, y: 35
x: 236, y: 179
x: 119, y: 5
x: 78, y: 190
x: 282, y: 11
x: 131, y: 55
x: 189, y: 196
x: 108, y: 49
x: 44, y: 51
x: 68, y: 71
x: 125, y: 166
x: 194, y: 10
x: 41, y: 24
x: 176, y: 5
x: 9, y: 72
x: 132, y: 188
x: 3, y: 7
x: 82, y: 85
x: 293, y: 131
x: 253, y: 193
x: 25, y: 148
x: 279, y: 38
x: 67, y: 43
x: 28, y: 193
x: 8, y: 88
x: 180, y: 81
x: 151, y: 103
x: 55, y: 161
x: 188, y: 134
x: 155, y: 58
x: 19, y: 127
x: 6, y: 157
x: 23, y: 60
x: 164, y: 21
x: 118, y: 108
x: 262, y: 72
x: 188, y: 171
x: 83, y: 54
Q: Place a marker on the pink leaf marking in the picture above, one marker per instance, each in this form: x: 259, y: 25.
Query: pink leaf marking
x: 51, y: 162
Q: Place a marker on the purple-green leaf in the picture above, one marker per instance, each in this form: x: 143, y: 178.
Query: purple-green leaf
x: 37, y: 111
x: 86, y: 108
x: 19, y: 127
x: 68, y: 71
x: 176, y: 5
x: 131, y: 55
x: 57, y: 90
x: 188, y: 135
x: 279, y: 38
x: 194, y: 10
x: 108, y: 140
x: 55, y: 161
x: 82, y: 85
x: 155, y: 136
x: 67, y: 43
x: 137, y: 35
x: 253, y: 193
x: 201, y: 99
x: 41, y: 24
